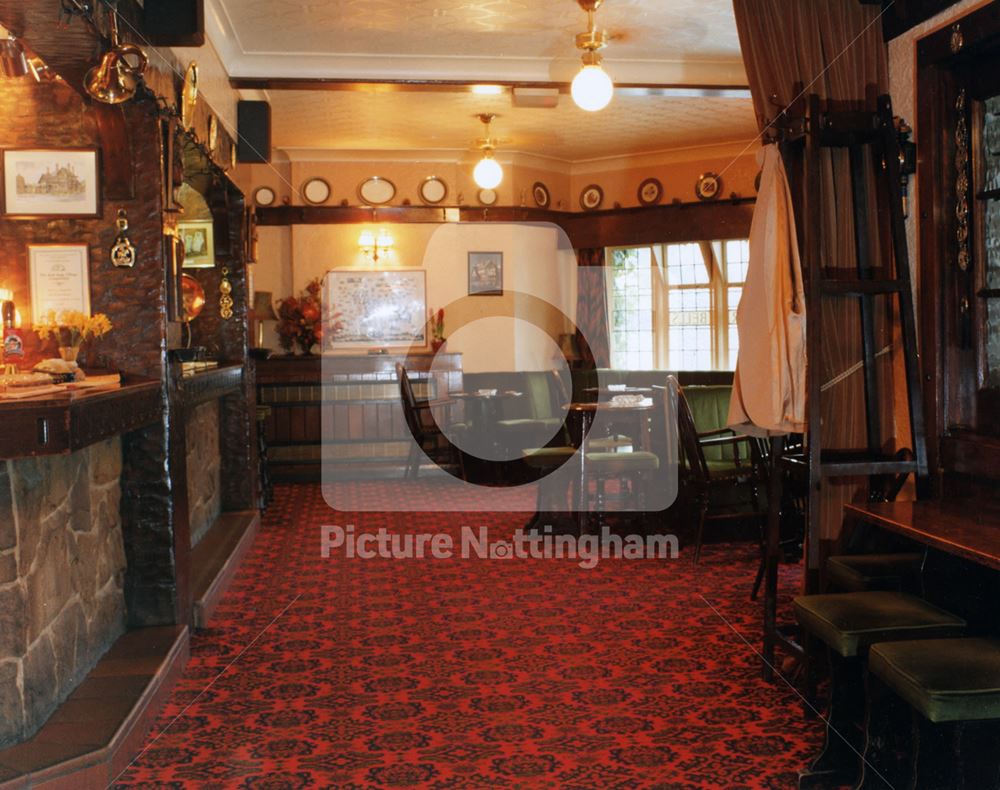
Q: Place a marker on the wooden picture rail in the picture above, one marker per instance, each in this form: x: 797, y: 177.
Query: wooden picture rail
x: 722, y: 219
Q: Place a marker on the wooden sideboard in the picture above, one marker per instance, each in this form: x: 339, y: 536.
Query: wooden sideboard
x: 358, y: 404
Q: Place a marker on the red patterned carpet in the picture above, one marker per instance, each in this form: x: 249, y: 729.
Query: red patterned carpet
x: 474, y: 673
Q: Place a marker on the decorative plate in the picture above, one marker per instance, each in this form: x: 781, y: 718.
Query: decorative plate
x: 650, y: 192
x: 591, y: 197
x: 487, y: 197
x: 376, y: 190
x: 213, y: 133
x: 192, y: 297
x: 316, y: 191
x: 232, y: 155
x: 709, y: 186
x: 264, y: 196
x: 540, y: 193
x: 432, y: 190
x: 189, y: 95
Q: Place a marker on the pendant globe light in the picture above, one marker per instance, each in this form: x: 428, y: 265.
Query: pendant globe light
x: 487, y: 174
x: 592, y: 88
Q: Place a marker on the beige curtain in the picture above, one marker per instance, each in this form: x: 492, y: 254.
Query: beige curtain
x: 832, y: 48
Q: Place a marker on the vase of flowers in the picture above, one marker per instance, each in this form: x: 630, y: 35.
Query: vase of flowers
x: 71, y: 329
x: 437, y: 330
x: 301, y: 320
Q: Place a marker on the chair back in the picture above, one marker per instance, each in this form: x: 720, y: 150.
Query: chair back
x: 409, y: 401
x: 691, y: 449
x: 709, y: 407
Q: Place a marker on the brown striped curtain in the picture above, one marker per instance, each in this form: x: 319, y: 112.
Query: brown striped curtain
x: 834, y: 49
x: 592, y: 308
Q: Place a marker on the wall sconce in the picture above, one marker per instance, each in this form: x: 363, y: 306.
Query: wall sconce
x: 7, y: 307
x: 372, y: 243
x: 13, y: 61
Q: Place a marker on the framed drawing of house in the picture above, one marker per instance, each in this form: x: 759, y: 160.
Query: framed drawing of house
x: 485, y: 274
x: 50, y: 183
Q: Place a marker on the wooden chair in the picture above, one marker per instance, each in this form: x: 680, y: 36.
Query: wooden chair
x: 427, y: 435
x: 701, y: 480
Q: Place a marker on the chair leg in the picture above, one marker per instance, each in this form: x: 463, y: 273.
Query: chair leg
x: 412, y: 463
x: 839, y: 759
x: 760, y: 575
x: 931, y: 767
x: 702, y: 514
x: 879, y: 763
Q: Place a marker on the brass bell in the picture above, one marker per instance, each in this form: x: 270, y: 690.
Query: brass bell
x: 114, y: 80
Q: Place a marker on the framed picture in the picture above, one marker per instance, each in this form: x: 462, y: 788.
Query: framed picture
x: 59, y: 275
x: 52, y: 183
x: 199, y: 243
x: 485, y: 274
x: 378, y: 309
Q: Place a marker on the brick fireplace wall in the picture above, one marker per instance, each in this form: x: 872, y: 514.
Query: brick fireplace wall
x: 62, y: 566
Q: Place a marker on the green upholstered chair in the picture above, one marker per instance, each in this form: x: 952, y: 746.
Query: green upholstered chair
x: 427, y: 436
x: 719, y: 468
x: 849, y: 624
x: 952, y: 687
x: 539, y: 412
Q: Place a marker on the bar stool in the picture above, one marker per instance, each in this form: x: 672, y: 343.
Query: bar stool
x: 949, y: 684
x: 861, y: 572
x: 849, y: 624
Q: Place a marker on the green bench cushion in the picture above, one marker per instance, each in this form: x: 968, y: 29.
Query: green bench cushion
x: 528, y: 423
x: 858, y: 572
x: 710, y: 409
x: 544, y: 457
x: 852, y: 622
x: 944, y: 679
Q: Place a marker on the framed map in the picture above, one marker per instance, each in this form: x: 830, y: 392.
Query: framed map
x: 378, y: 309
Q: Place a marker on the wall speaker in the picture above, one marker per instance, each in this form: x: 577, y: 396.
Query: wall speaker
x: 174, y: 23
x: 253, y: 121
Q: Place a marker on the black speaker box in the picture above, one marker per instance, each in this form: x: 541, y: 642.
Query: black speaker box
x: 174, y: 23
x: 253, y: 121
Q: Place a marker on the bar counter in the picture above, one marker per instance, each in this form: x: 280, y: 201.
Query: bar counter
x: 59, y: 423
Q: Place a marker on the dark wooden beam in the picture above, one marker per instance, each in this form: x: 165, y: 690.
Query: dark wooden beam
x: 724, y: 219
x: 900, y: 16
x: 466, y: 86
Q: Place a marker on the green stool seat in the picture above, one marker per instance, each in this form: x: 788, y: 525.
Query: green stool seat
x: 944, y: 679
x: 544, y: 457
x: 610, y: 464
x: 526, y: 424
x: 852, y: 622
x: 860, y: 572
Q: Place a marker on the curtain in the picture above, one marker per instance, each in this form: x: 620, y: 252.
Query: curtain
x: 592, y: 308
x: 832, y: 48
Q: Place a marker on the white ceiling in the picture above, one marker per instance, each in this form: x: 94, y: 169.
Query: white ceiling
x: 655, y: 43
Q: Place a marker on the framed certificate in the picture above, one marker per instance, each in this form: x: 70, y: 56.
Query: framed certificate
x: 59, y: 277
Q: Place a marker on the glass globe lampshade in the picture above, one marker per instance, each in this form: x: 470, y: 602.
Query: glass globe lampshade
x: 488, y: 174
x: 592, y: 88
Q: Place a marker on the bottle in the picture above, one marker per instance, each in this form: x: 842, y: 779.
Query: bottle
x: 13, y: 345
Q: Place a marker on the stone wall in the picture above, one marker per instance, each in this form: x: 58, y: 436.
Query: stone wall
x: 203, y: 468
x: 62, y: 565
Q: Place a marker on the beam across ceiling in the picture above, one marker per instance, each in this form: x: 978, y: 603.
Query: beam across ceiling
x: 464, y: 86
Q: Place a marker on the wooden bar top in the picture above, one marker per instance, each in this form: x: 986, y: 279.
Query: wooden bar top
x: 967, y: 528
x: 73, y: 419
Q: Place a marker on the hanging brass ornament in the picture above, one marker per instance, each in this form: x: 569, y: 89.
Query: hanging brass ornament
x: 122, y: 251
x: 226, y: 299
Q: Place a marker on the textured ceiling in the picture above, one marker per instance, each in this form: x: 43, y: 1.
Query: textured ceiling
x: 655, y: 42
x: 399, y: 121
x: 644, y: 29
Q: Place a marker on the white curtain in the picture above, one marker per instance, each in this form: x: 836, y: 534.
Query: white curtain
x: 769, y: 395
